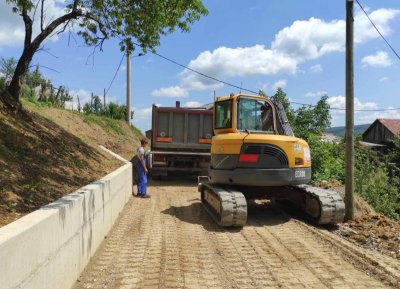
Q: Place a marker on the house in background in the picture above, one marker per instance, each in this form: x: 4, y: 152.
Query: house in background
x: 382, y: 132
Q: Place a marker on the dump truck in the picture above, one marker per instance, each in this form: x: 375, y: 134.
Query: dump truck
x: 180, y: 139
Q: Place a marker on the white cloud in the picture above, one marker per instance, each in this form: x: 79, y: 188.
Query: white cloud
x: 316, y: 94
x: 316, y: 68
x: 231, y: 62
x: 122, y: 68
x: 363, y: 29
x: 379, y: 59
x: 302, y: 41
x: 370, y: 117
x: 360, y: 117
x: 310, y: 39
x: 84, y: 95
x: 142, y: 113
x: 172, y: 91
x: 279, y: 84
x: 340, y: 102
x: 383, y: 79
x: 193, y: 104
x: 12, y: 31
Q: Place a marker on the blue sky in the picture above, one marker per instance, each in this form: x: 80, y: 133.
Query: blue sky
x: 298, y: 45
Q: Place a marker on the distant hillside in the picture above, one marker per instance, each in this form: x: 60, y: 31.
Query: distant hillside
x: 339, y: 130
x: 51, y: 152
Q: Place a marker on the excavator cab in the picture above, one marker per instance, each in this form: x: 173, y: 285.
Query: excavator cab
x: 248, y: 147
x: 255, y: 154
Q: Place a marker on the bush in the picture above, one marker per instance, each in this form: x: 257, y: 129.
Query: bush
x: 379, y: 190
x: 377, y: 182
x: 327, y: 159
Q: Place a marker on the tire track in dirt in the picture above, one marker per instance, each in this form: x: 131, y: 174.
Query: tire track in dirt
x: 169, y: 241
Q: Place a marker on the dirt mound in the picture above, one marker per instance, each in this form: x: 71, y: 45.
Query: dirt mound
x: 361, y: 207
x: 51, y: 152
x: 375, y: 232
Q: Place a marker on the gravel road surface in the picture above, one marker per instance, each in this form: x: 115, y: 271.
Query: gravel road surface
x: 169, y: 241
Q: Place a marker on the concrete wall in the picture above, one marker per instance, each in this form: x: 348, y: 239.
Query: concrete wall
x: 50, y: 247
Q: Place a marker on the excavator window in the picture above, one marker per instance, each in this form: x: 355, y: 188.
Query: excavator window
x: 223, y: 114
x: 255, y: 115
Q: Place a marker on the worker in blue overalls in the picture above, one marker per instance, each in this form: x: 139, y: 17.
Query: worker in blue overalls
x: 142, y: 170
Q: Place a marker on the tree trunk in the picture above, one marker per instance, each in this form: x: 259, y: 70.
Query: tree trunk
x: 22, y: 67
x: 11, y: 97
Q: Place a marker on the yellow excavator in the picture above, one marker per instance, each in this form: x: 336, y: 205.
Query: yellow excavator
x: 254, y: 155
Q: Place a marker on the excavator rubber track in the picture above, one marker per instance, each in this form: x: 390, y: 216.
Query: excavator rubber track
x: 227, y: 206
x: 323, y: 205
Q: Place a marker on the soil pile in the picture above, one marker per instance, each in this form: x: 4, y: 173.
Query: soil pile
x: 375, y: 232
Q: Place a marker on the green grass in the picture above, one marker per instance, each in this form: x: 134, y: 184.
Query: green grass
x: 108, y: 124
x: 137, y: 131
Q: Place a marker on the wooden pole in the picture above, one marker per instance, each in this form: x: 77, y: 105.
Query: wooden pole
x: 349, y: 191
x: 128, y: 88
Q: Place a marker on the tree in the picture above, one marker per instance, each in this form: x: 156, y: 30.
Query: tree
x: 34, y: 78
x: 281, y: 95
x: 313, y: 120
x: 7, y: 67
x: 99, y: 20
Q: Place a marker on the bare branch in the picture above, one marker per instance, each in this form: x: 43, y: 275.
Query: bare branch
x: 53, y: 25
x: 42, y: 16
x: 73, y: 37
x: 34, y: 12
x: 99, y: 24
x: 47, y: 50
x: 63, y: 28
x: 42, y: 66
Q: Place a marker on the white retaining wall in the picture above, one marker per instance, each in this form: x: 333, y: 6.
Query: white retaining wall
x: 50, y: 247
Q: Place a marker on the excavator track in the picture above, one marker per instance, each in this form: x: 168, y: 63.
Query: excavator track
x: 324, y: 206
x: 227, y: 206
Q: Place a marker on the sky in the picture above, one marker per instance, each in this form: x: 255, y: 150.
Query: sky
x: 296, y: 45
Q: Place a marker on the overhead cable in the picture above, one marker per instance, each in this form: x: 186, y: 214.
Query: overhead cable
x: 249, y: 90
x: 376, y: 28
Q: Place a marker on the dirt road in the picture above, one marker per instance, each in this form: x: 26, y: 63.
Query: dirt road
x: 168, y: 241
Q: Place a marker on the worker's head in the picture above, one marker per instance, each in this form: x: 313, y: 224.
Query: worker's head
x: 144, y: 142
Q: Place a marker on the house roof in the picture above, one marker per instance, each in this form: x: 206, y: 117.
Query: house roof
x: 393, y: 125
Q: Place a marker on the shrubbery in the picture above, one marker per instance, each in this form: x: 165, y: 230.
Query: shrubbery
x: 377, y: 176
x: 111, y: 110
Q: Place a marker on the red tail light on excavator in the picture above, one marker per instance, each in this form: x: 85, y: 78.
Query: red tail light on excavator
x: 248, y: 158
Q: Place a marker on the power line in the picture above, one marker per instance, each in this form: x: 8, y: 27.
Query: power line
x: 252, y: 91
x: 115, y: 74
x: 205, y: 75
x: 376, y: 28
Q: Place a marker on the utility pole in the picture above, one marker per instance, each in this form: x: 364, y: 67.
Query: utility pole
x: 128, y: 88
x: 349, y: 191
x: 104, y: 98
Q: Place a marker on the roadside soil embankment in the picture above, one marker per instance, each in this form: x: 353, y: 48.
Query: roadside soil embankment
x: 51, y: 152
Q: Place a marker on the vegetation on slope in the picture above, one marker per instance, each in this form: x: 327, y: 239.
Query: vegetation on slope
x: 377, y: 176
x: 49, y: 152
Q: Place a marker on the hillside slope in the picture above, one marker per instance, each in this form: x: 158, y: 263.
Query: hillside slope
x: 51, y: 152
x: 340, y: 130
